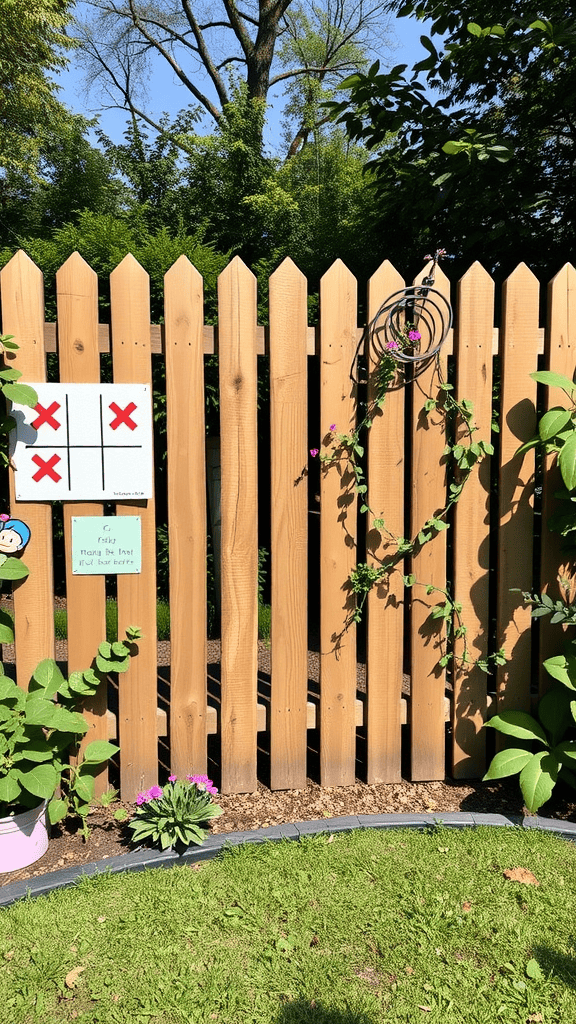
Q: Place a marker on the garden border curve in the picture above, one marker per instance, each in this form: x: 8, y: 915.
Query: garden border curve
x: 141, y: 859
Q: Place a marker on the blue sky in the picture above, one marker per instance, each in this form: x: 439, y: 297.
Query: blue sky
x: 166, y: 94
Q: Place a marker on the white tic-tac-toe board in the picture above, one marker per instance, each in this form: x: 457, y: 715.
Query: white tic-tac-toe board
x: 84, y: 442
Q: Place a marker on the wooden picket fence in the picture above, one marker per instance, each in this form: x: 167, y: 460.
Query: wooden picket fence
x: 492, y: 538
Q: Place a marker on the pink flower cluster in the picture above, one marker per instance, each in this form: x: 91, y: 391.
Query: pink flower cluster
x: 204, y: 783
x: 151, y: 794
x: 414, y: 335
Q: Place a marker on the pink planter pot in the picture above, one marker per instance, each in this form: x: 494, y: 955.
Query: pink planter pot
x: 23, y: 838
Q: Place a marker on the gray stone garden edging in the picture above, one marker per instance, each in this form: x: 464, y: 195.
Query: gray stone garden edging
x: 141, y: 859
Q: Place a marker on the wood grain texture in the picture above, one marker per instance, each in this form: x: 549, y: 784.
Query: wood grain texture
x: 238, y: 397
x: 22, y: 292
x: 519, y: 358
x: 560, y: 357
x: 473, y: 355
x: 338, y: 312
x: 79, y: 363
x: 385, y: 606
x: 428, y: 495
x: 131, y: 361
x: 289, y: 527
x: 184, y: 317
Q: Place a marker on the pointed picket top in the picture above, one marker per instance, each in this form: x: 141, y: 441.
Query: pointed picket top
x: 386, y: 271
x: 385, y: 281
x: 476, y: 272
x: 287, y: 271
x: 475, y: 298
x: 76, y: 265
x: 337, y: 272
x: 565, y: 276
x: 19, y: 263
x: 522, y: 275
x: 184, y: 270
x: 129, y: 269
x: 77, y: 305
x: 236, y: 269
x: 76, y: 278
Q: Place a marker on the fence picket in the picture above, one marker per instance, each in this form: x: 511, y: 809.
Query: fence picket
x: 428, y: 495
x: 138, y: 730
x: 337, y: 530
x: 560, y: 357
x: 184, y: 319
x: 517, y: 422
x: 473, y: 352
x: 385, y: 605
x: 239, y: 506
x: 79, y: 362
x: 289, y: 526
x: 22, y: 290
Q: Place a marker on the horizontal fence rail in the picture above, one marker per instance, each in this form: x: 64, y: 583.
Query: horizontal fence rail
x: 317, y: 527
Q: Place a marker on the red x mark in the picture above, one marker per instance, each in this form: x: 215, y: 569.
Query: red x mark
x: 45, y: 415
x: 123, y: 415
x: 46, y: 468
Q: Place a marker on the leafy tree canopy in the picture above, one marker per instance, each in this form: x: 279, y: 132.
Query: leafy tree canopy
x: 488, y: 168
x: 33, y: 43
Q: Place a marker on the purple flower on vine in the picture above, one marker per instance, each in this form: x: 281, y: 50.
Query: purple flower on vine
x: 172, y: 778
x: 414, y: 335
x: 314, y: 452
x: 332, y: 427
x: 392, y: 346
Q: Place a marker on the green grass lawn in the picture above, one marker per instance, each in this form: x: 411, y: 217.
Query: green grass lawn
x: 372, y: 926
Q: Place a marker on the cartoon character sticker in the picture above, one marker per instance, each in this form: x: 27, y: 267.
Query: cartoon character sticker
x: 14, y: 535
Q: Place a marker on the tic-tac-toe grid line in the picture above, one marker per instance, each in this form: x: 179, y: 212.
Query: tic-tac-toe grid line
x: 47, y: 467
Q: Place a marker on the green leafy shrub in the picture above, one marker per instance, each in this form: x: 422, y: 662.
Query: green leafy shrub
x: 41, y: 726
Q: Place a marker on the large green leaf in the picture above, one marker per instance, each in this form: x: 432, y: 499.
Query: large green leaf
x: 6, y: 628
x: 47, y: 678
x: 10, y: 788
x: 8, y: 689
x: 57, y: 809
x: 567, y: 462
x: 40, y: 711
x: 23, y: 394
x: 557, y: 667
x: 519, y: 724
x: 507, y: 762
x: 13, y: 569
x: 553, y: 380
x: 69, y: 721
x: 36, y: 750
x: 552, y: 422
x: 538, y: 778
x: 40, y: 781
x: 98, y: 751
x: 84, y: 787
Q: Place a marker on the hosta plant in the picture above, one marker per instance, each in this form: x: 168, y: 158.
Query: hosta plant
x: 174, y: 814
x: 41, y: 727
x: 554, y: 730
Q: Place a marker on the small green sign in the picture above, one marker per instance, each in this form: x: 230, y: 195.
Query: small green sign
x: 106, y: 545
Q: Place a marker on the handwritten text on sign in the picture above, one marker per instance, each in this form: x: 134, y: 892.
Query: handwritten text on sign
x: 106, y: 545
x: 84, y: 442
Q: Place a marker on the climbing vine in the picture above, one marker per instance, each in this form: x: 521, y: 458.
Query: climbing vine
x: 407, y: 338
